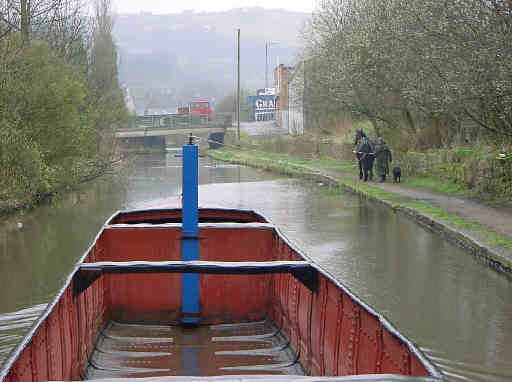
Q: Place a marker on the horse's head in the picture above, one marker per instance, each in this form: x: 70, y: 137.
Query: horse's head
x: 359, y: 136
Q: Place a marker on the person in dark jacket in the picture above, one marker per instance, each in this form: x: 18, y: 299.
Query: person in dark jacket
x: 357, y: 143
x: 366, y: 158
x: 383, y: 157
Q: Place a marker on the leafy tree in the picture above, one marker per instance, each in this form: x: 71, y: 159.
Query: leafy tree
x: 411, y: 64
x: 107, y: 102
x: 59, y: 97
x: 21, y: 167
x: 47, y: 99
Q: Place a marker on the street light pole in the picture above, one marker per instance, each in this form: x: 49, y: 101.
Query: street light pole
x: 238, y: 92
x: 267, y: 47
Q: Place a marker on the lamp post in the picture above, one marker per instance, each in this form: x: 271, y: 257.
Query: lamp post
x: 267, y: 48
x: 238, y: 89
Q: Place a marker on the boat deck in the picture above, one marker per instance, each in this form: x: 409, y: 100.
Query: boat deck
x: 129, y: 350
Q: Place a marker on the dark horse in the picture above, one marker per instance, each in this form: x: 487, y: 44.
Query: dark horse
x: 365, y: 155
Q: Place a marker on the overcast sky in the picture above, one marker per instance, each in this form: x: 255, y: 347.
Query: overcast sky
x: 175, y: 6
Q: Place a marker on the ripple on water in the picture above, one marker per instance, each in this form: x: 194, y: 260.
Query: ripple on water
x: 14, y: 325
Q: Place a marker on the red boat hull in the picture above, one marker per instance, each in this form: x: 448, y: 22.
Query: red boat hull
x: 331, y: 331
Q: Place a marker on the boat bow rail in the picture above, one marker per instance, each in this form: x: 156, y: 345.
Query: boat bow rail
x: 281, y: 378
x: 89, y: 272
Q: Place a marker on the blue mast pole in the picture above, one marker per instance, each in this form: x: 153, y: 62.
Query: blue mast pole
x: 190, y: 233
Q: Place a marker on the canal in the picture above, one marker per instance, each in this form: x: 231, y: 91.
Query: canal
x: 456, y: 309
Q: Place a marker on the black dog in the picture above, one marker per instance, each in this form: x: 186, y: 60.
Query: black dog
x: 397, y: 173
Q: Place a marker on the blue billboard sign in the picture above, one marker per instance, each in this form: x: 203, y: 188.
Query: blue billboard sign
x: 263, y: 107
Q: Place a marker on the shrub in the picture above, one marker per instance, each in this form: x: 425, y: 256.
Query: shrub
x: 21, y: 167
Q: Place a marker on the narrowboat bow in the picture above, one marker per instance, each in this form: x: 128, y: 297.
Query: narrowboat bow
x: 208, y: 295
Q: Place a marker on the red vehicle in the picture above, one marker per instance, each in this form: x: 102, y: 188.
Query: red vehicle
x: 200, y: 108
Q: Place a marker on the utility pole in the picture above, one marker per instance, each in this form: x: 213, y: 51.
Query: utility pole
x: 238, y: 92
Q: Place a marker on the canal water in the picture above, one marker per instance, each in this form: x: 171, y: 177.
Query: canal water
x: 456, y: 309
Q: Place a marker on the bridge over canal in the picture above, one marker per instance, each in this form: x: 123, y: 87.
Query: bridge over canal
x: 172, y: 129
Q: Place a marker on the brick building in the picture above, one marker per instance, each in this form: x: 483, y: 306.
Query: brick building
x: 282, y: 76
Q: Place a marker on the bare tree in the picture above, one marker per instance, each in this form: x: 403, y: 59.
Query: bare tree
x: 52, y: 20
x: 68, y: 30
x: 407, y: 63
x: 8, y: 18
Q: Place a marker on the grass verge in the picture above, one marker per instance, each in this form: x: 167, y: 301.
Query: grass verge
x: 492, y: 238
x: 433, y: 184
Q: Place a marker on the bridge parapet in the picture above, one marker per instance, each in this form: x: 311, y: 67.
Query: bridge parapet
x: 167, y: 125
x: 179, y: 121
x: 167, y: 120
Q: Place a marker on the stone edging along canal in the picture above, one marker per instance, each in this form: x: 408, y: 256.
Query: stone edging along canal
x: 472, y: 241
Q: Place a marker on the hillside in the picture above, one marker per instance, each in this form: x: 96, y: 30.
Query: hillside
x: 168, y: 59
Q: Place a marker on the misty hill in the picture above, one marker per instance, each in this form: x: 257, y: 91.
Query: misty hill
x: 167, y: 60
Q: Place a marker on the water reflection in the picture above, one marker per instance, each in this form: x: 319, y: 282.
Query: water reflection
x: 459, y: 311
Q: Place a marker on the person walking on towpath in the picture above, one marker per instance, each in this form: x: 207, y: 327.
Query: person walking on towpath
x: 363, y: 148
x: 366, y: 158
x: 383, y: 158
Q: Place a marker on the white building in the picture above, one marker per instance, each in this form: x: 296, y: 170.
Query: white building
x: 294, y: 117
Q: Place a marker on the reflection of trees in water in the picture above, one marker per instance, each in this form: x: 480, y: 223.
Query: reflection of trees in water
x: 363, y: 215
x: 3, y: 243
x: 370, y: 227
x: 34, y: 260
